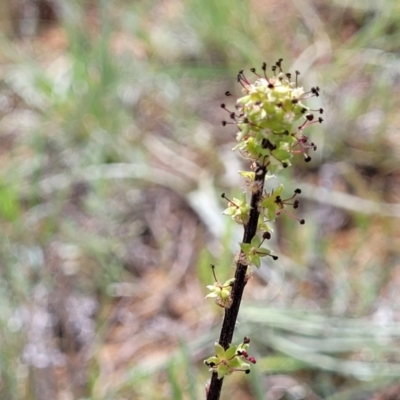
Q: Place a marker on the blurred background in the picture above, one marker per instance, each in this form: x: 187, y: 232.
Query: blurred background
x: 113, y: 159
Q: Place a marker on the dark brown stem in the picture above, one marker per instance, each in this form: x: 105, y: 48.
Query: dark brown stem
x: 229, y: 323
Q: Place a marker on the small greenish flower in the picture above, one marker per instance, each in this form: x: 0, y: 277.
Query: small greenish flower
x: 221, y: 293
x: 238, y: 209
x: 253, y: 251
x: 272, y: 204
x: 227, y: 361
x: 269, y: 203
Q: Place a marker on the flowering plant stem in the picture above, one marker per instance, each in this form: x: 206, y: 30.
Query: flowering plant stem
x: 231, y: 313
x: 268, y: 138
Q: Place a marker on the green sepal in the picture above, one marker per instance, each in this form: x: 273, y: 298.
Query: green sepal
x: 230, y: 352
x: 219, y: 350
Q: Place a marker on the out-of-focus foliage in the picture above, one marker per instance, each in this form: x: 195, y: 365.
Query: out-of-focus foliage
x: 112, y: 160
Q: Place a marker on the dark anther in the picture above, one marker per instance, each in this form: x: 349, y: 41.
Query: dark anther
x: 315, y: 91
x: 275, y: 257
x: 232, y: 115
x: 222, y: 105
x: 224, y: 123
x: 307, y: 159
x: 297, y: 191
x: 266, y: 235
x: 264, y: 66
x: 303, y: 110
x: 246, y: 340
x: 279, y: 64
x: 310, y: 117
x: 253, y: 70
x: 295, y: 101
x: 247, y: 371
x: 266, y: 144
x: 302, y: 222
x: 289, y: 75
x: 296, y: 204
x: 285, y: 165
x: 320, y: 120
x: 223, y: 195
x: 228, y: 93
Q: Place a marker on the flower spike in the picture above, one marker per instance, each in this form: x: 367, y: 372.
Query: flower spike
x: 271, y: 117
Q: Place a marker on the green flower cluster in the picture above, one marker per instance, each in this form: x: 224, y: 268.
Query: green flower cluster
x: 234, y: 358
x: 266, y: 117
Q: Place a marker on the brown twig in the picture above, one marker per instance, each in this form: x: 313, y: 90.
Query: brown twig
x: 230, y: 317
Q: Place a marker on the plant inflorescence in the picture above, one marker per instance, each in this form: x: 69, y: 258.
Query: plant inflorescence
x: 271, y: 118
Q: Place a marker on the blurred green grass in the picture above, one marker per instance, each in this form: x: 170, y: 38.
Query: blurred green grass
x: 112, y: 161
